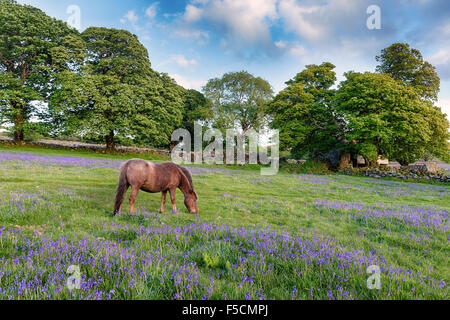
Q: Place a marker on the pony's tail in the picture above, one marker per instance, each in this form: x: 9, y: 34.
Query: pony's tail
x: 122, y: 188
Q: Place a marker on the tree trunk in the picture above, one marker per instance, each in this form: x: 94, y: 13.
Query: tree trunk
x: 110, y: 145
x: 18, y: 128
x: 372, y: 163
x: 344, y: 161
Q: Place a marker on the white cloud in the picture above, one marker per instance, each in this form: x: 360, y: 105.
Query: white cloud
x: 188, y: 84
x: 192, y: 13
x: 151, y: 10
x: 247, y: 24
x: 294, y: 49
x: 170, y: 15
x: 248, y: 20
x: 189, y: 33
x: 280, y: 44
x: 320, y: 22
x: 440, y: 57
x: 444, y: 104
x: 297, y: 50
x: 182, y: 61
x: 294, y: 17
x: 130, y: 16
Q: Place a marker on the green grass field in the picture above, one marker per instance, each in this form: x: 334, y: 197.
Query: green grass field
x: 256, y: 237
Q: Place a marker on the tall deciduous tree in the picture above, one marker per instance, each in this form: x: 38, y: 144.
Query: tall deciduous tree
x: 385, y: 117
x: 160, y: 113
x: 239, y: 99
x: 406, y: 65
x: 196, y: 108
x: 117, y: 94
x: 303, y: 112
x: 33, y: 49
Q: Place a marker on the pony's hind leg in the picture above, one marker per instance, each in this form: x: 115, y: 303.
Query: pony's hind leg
x: 134, y: 193
x: 163, y: 201
x: 123, y: 199
x: 172, y: 197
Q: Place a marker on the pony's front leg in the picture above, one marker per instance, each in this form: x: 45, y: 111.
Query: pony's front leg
x: 134, y: 193
x: 163, y: 201
x: 172, y: 197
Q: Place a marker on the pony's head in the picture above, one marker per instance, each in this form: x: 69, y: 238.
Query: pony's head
x: 190, y: 196
x: 190, y: 201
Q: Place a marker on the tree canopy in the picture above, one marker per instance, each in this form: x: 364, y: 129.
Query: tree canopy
x: 196, y: 108
x: 391, y: 112
x: 406, y: 65
x: 33, y: 49
x: 385, y: 117
x: 116, y: 94
x: 303, y: 112
x: 239, y: 99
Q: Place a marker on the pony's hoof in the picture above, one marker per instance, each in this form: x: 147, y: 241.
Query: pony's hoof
x: 160, y: 211
x: 175, y: 211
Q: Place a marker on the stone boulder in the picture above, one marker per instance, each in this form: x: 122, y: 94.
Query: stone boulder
x: 360, y: 160
x: 428, y: 167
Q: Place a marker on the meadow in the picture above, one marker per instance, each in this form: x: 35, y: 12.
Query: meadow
x: 287, y: 236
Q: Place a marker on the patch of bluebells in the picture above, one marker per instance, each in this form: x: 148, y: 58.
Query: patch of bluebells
x: 393, y: 188
x: 28, y: 159
x: 154, y: 259
x: 56, y: 161
x: 416, y: 216
x: 19, y: 204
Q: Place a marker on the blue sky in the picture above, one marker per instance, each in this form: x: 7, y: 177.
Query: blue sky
x: 195, y: 40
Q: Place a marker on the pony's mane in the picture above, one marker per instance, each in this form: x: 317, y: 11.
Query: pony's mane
x: 188, y: 176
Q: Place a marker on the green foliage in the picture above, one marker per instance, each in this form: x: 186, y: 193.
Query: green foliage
x: 406, y: 65
x: 369, y: 151
x: 239, y: 99
x: 438, y: 146
x: 33, y: 131
x: 211, y: 261
x: 391, y: 113
x: 160, y: 112
x: 196, y: 108
x: 33, y: 48
x: 303, y: 112
x: 116, y: 94
x: 386, y: 117
x: 117, y: 53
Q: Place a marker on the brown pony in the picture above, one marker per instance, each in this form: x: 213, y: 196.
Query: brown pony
x: 153, y: 177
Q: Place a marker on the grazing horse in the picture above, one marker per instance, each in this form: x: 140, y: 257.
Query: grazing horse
x: 154, y: 177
